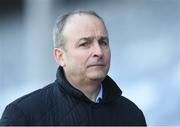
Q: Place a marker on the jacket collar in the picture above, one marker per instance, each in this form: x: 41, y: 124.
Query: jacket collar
x: 110, y: 89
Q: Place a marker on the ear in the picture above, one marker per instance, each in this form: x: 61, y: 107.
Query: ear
x: 58, y: 56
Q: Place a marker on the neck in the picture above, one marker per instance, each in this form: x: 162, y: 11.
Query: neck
x: 91, y: 91
x: 89, y: 88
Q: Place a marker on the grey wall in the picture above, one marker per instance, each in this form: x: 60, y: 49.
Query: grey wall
x: 144, y: 39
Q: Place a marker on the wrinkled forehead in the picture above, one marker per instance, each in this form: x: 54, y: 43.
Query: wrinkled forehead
x: 84, y: 25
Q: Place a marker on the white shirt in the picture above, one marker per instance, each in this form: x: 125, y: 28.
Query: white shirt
x: 100, y: 94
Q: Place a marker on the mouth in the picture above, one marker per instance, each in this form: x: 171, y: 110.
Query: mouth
x: 96, y: 65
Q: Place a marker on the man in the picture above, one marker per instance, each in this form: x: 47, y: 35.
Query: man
x: 83, y: 93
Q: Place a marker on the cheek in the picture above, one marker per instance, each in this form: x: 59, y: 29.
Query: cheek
x: 78, y: 58
x: 81, y: 58
x: 108, y: 55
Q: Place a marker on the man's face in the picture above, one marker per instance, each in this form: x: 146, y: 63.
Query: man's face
x: 87, y: 55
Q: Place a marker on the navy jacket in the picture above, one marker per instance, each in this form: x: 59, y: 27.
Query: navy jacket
x: 61, y: 104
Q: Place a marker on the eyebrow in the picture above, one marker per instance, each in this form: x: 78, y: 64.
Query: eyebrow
x: 85, y: 38
x: 91, y: 38
x: 104, y: 38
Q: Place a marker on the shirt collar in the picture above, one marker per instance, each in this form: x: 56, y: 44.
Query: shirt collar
x: 100, y: 94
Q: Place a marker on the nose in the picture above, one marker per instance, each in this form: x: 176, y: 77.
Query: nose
x: 97, y: 50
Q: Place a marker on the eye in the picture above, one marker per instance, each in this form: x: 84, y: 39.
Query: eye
x: 103, y: 42
x: 84, y: 44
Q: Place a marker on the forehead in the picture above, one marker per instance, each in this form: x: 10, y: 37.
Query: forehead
x: 84, y: 25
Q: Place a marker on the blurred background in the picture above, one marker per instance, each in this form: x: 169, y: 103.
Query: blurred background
x: 144, y: 38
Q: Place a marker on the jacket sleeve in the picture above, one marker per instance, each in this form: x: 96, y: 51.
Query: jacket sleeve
x: 142, y: 120
x: 12, y: 115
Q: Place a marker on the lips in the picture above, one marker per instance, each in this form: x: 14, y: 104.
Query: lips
x: 96, y: 65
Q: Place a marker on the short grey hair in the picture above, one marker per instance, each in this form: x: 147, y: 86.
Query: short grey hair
x: 58, y: 39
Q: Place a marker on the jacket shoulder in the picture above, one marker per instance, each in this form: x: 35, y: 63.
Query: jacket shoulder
x: 36, y: 98
x: 132, y: 114
x: 39, y: 102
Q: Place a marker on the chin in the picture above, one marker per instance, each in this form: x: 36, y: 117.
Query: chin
x: 97, y: 76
